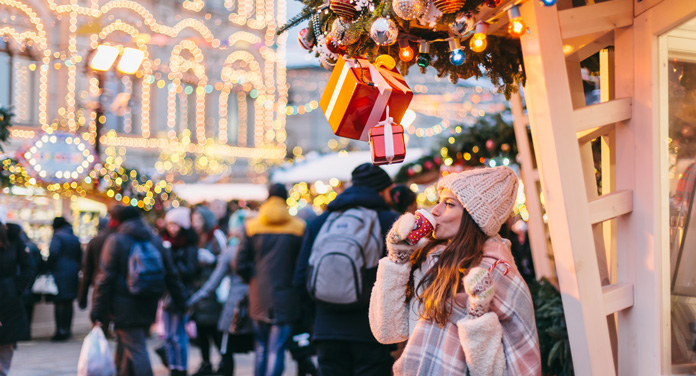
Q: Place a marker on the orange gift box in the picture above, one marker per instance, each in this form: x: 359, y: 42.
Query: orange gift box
x: 387, y: 143
x: 358, y: 94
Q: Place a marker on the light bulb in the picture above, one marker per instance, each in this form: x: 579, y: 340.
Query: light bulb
x: 516, y: 27
x: 405, y: 50
x: 548, y: 3
x: 479, y: 41
x: 423, y: 60
x: 457, y: 56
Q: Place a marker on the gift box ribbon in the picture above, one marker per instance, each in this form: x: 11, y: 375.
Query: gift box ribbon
x: 379, y: 80
x: 388, y: 137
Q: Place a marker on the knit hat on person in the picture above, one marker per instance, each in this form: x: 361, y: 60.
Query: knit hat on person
x: 487, y: 194
x: 180, y: 216
x: 59, y: 222
x: 369, y: 175
x: 127, y: 213
x: 209, y: 220
x: 278, y: 190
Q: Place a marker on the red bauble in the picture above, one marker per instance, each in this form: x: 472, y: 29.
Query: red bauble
x: 448, y: 6
x: 490, y: 145
x: 343, y: 8
x: 306, y: 42
x: 493, y: 3
x: 334, y: 46
x: 428, y: 165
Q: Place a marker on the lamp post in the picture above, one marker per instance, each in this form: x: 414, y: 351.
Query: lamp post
x: 102, y: 61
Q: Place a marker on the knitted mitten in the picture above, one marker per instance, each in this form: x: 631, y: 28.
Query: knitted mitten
x: 479, y: 286
x: 397, y: 250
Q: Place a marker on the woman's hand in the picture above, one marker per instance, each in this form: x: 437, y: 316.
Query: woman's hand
x: 397, y: 250
x: 478, y: 284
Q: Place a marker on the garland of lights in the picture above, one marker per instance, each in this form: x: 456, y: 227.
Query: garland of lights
x: 458, y: 38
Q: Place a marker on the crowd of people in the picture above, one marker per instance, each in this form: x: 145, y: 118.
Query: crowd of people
x: 242, y: 279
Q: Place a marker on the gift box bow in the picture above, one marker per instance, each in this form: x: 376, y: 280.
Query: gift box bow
x: 388, y: 137
x: 382, y: 78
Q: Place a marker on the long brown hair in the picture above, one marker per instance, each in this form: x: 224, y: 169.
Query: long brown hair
x: 442, y: 281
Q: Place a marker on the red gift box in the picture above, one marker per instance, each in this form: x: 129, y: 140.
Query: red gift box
x: 387, y: 143
x: 358, y: 94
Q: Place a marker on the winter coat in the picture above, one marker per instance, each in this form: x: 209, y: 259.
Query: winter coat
x: 184, y: 251
x: 64, y: 260
x: 266, y: 260
x: 503, y: 341
x: 16, y: 273
x: 113, y: 301
x: 330, y: 323
x: 238, y: 289
x: 90, y: 264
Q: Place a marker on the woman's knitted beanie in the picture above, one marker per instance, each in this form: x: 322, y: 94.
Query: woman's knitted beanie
x: 488, y: 194
x: 181, y: 216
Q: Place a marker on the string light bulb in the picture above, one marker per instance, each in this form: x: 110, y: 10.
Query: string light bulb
x: 479, y: 41
x: 548, y: 3
x: 405, y: 50
x: 516, y: 27
x: 457, y: 56
x: 423, y: 59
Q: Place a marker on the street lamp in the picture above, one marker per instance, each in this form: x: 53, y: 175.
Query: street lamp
x: 104, y: 57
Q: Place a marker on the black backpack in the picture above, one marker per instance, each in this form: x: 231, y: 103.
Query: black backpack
x: 145, y: 270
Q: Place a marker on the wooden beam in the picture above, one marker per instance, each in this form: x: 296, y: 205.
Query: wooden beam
x: 590, y: 19
x: 617, y: 297
x: 580, y: 48
x: 601, y: 114
x: 610, y: 206
x: 591, y: 134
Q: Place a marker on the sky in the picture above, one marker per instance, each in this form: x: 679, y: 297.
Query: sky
x: 296, y: 55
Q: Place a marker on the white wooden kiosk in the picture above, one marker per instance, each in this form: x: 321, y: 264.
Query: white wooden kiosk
x: 612, y: 251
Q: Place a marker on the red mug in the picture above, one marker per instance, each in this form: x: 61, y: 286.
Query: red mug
x: 424, y: 225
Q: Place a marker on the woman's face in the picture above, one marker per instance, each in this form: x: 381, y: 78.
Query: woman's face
x: 197, y: 222
x: 448, y: 213
x: 173, y: 229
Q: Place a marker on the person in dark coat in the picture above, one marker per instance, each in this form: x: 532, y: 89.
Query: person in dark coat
x: 16, y: 272
x: 28, y: 297
x: 183, y: 244
x: 211, y: 241
x: 64, y: 259
x: 132, y: 315
x: 266, y: 260
x: 91, y: 261
x: 345, y: 344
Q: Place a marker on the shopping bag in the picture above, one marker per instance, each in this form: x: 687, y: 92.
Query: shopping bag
x: 45, y: 284
x: 95, y: 356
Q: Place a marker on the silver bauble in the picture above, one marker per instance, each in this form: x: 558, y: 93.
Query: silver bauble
x: 431, y: 17
x: 410, y: 9
x: 384, y: 31
x: 342, y: 33
x: 461, y: 25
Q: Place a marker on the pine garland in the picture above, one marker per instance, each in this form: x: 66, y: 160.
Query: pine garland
x: 501, y: 62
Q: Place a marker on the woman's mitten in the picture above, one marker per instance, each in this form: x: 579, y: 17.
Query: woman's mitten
x: 397, y: 250
x: 478, y: 284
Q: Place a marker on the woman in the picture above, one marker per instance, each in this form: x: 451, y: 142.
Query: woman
x: 64, y: 262
x: 235, y: 340
x: 459, y: 317
x: 211, y: 241
x: 182, y: 241
x: 16, y: 272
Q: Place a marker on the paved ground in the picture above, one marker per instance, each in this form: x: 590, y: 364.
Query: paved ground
x: 44, y: 358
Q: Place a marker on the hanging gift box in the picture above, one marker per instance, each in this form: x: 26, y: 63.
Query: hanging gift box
x: 358, y: 94
x: 387, y: 142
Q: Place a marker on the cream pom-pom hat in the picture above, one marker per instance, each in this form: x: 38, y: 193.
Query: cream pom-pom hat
x: 487, y: 194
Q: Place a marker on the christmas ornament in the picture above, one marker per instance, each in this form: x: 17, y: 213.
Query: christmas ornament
x: 423, y: 59
x: 305, y: 39
x: 364, y: 4
x: 448, y: 6
x: 343, y: 8
x: 333, y: 46
x: 460, y: 26
x: 385, y: 61
x: 384, y: 31
x: 405, y: 50
x: 342, y: 33
x: 493, y: 3
x: 516, y: 27
x: 548, y: 3
x: 431, y: 16
x: 490, y: 145
x: 409, y: 9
